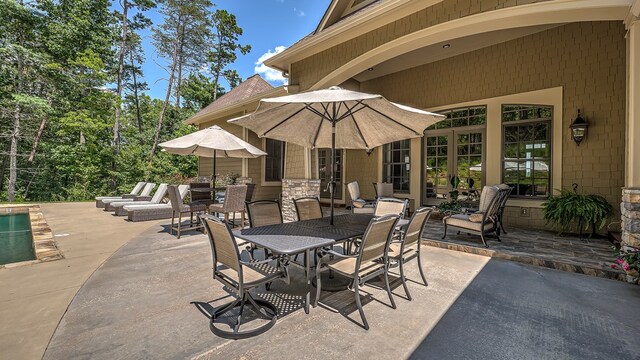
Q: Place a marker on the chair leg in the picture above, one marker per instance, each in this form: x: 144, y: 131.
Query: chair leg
x: 386, y: 282
x: 179, y: 223
x: 318, y: 284
x: 483, y: 240
x: 424, y: 278
x: 356, y: 288
x: 404, y: 280
x: 173, y: 217
x: 236, y: 326
x: 445, y: 231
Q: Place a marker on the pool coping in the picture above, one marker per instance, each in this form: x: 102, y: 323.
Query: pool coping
x: 44, y: 243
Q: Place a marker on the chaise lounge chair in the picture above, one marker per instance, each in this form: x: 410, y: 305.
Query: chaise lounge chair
x: 153, y: 211
x: 157, y: 198
x: 136, y: 190
x: 144, y: 195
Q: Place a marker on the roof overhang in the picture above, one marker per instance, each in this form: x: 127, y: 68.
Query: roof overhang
x: 238, y: 107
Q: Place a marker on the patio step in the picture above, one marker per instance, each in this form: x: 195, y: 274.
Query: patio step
x: 531, y: 259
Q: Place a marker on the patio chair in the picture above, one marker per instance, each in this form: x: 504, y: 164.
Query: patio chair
x: 369, y: 262
x: 383, y: 189
x: 502, y: 205
x: 146, y: 212
x: 388, y: 206
x: 239, y: 277
x: 358, y: 204
x: 234, y: 197
x: 262, y: 213
x: 251, y: 190
x: 483, y: 222
x: 308, y: 208
x: 144, y: 195
x: 135, y: 191
x: 408, y: 246
x: 156, y: 199
x: 199, y: 197
x: 179, y: 208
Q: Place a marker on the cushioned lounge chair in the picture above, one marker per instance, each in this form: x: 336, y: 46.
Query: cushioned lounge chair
x: 144, y: 195
x: 358, y: 204
x: 153, y: 212
x: 157, y: 198
x: 135, y: 191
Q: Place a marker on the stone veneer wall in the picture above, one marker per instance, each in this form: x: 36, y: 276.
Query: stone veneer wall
x: 294, y: 189
x: 630, y: 209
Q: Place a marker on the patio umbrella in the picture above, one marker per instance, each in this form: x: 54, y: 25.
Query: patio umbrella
x: 338, y: 119
x: 212, y: 142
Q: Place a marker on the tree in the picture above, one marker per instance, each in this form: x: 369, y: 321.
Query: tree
x: 182, y: 38
x: 226, y: 46
x: 232, y: 77
x: 198, y: 92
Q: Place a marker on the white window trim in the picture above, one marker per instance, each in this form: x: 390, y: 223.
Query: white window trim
x: 263, y: 182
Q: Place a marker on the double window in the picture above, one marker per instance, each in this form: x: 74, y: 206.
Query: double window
x: 526, y: 141
x: 274, y: 160
x: 396, y: 165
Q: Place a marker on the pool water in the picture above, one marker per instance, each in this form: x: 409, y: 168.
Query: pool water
x: 16, y: 242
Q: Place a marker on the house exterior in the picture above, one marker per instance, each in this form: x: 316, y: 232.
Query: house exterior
x: 510, y: 75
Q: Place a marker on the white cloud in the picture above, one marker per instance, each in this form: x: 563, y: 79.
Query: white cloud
x: 266, y: 72
x: 298, y: 12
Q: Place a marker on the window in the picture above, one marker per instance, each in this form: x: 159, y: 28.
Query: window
x: 526, y: 148
x: 396, y: 165
x: 274, y: 161
x: 468, y: 116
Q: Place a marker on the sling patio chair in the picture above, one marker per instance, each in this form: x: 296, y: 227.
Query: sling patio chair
x: 239, y: 277
x: 157, y: 198
x: 135, y: 191
x: 358, y: 204
x: 179, y: 208
x: 388, y: 206
x: 482, y: 222
x: 308, y: 208
x: 262, y: 213
x: 407, y: 247
x: 199, y: 197
x: 144, y: 194
x: 383, y: 189
x: 234, y: 198
x: 368, y: 263
x: 146, y: 212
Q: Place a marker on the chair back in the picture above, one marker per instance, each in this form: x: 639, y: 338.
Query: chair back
x: 383, y: 189
x: 174, y: 198
x: 160, y: 193
x: 264, y: 212
x: 416, y: 226
x: 234, y: 197
x: 354, y: 190
x: 487, y: 196
x: 376, y: 239
x: 308, y: 208
x: 137, y: 188
x: 224, y: 250
x: 251, y: 188
x: 148, y: 188
x: 391, y: 206
x: 198, y: 195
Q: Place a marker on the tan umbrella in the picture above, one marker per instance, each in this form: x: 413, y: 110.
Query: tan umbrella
x: 213, y: 142
x: 338, y: 119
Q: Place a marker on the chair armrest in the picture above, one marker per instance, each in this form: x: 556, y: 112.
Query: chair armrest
x: 129, y: 196
x: 142, y: 198
x: 324, y: 252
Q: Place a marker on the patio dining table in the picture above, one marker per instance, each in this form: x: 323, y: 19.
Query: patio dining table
x: 305, y: 236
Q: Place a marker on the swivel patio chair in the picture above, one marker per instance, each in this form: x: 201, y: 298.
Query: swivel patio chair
x: 234, y: 198
x: 483, y: 222
x: 179, y: 208
x: 388, y: 206
x: 408, y: 246
x: 358, y: 204
x: 369, y: 262
x: 262, y: 213
x: 308, y: 208
x: 239, y: 277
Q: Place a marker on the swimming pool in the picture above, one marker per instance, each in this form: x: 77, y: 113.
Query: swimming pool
x: 16, y: 239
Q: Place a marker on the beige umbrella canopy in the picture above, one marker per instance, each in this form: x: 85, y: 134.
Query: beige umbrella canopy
x: 338, y: 119
x: 212, y: 142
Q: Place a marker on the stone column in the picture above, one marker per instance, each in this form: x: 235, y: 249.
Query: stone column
x: 630, y: 210
x: 294, y: 189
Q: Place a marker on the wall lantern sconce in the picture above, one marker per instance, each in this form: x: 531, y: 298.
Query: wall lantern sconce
x: 579, y: 129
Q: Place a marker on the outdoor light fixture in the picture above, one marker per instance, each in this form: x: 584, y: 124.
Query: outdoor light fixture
x: 370, y: 69
x: 579, y: 129
x: 446, y: 46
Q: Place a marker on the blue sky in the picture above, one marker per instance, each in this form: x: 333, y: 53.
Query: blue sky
x: 269, y: 25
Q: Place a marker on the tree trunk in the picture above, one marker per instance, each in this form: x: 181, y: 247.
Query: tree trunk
x: 36, y: 141
x: 166, y: 102
x: 180, y: 61
x: 13, y: 152
x: 3, y: 167
x: 135, y: 93
x: 116, y: 124
x: 217, y: 68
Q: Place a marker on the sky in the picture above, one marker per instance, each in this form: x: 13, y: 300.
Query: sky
x: 269, y: 26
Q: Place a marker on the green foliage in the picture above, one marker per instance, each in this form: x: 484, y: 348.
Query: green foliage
x: 570, y: 207
x: 452, y: 206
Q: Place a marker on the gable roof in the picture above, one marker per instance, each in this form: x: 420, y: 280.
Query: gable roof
x: 248, y: 89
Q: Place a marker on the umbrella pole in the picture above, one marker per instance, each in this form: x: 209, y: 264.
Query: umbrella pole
x: 213, y: 176
x: 332, y: 184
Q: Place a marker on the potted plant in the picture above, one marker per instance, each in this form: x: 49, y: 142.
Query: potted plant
x: 571, y: 207
x: 629, y: 261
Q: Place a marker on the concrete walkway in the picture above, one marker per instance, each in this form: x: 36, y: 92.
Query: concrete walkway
x: 34, y: 298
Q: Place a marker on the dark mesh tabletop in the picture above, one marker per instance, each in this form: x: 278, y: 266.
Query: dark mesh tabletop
x: 296, y: 237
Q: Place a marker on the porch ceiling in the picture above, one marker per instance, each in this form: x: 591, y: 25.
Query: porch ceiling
x: 436, y: 52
